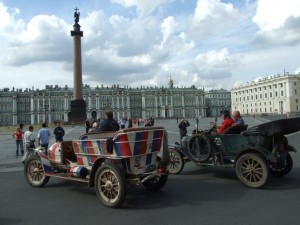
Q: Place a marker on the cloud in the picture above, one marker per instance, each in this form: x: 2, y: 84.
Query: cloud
x: 278, y: 23
x: 206, y: 43
x: 212, y: 17
x: 287, y: 34
x: 43, y: 39
x: 272, y: 14
x: 144, y: 8
x: 9, y: 25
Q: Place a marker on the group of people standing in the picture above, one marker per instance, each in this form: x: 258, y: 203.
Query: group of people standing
x: 110, y: 124
x: 107, y: 124
x: 28, y: 140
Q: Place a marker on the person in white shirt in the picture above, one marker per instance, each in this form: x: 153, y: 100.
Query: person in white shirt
x: 122, y: 123
x: 29, y: 144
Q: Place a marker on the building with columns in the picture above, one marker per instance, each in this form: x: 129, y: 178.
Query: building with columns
x: 53, y: 103
x: 216, y: 101
x: 277, y: 94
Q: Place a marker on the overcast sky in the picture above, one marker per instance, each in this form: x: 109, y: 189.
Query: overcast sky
x: 207, y: 43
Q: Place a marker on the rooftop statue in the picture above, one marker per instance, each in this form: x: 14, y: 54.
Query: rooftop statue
x: 76, y: 16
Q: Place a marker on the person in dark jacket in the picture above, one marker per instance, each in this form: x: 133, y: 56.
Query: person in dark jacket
x: 109, y: 124
x: 59, y: 132
x: 183, y: 128
x: 129, y: 123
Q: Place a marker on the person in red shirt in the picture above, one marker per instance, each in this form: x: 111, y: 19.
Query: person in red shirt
x: 18, y: 136
x: 227, y: 121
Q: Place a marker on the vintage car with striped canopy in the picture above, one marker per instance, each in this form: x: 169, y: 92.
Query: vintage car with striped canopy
x: 110, y: 161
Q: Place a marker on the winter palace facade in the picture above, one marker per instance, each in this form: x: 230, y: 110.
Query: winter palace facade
x: 53, y: 103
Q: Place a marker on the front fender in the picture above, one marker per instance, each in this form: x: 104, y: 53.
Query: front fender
x: 94, y: 169
x: 259, y: 150
x: 291, y: 148
x: 180, y: 149
x: 45, y: 163
x: 184, y: 151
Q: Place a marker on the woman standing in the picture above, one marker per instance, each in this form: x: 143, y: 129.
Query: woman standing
x: 18, y: 136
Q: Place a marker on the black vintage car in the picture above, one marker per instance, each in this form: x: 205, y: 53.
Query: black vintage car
x: 255, y: 153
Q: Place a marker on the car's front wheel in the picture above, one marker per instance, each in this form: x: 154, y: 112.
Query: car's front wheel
x: 176, y: 162
x: 34, y: 172
x: 110, y: 185
x: 252, y: 170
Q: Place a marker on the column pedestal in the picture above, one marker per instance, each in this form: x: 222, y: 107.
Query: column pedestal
x: 78, y: 111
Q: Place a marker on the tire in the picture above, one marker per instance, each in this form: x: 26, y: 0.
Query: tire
x: 252, y: 170
x: 110, y: 185
x: 34, y: 172
x: 156, y: 183
x: 200, y: 148
x: 279, y: 171
x: 176, y: 161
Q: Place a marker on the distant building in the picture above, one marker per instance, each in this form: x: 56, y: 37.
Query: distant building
x: 53, y: 103
x: 216, y: 101
x: 271, y: 95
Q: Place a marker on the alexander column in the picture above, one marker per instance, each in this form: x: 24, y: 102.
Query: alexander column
x: 78, y: 105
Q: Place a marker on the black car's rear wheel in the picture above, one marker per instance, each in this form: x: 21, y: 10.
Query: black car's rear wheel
x: 34, y: 172
x: 252, y: 170
x: 279, y: 170
x: 200, y: 148
x: 110, y: 185
x: 176, y: 161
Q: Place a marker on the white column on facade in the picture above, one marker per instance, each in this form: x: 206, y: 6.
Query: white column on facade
x: 66, y: 108
x: 98, y: 106
x: 44, y: 109
x: 161, y: 106
x: 197, y: 105
x: 112, y: 102
x: 118, y: 107
x: 143, y: 106
x: 90, y: 102
x: 128, y: 106
x: 32, y: 109
x: 14, y: 110
x: 48, y: 109
x: 38, y: 109
x: 97, y: 101
x: 156, y: 105
x: 171, y: 106
x: 288, y: 93
x: 122, y: 105
x: 183, y: 107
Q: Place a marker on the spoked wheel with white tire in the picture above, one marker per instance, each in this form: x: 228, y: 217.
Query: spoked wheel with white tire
x: 34, y: 172
x: 176, y: 161
x: 110, y: 185
x: 156, y: 183
x: 252, y: 170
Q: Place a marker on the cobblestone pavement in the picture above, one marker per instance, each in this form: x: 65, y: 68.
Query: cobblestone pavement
x: 8, y: 160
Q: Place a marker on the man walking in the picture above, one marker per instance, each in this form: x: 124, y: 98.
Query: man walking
x: 29, y: 143
x: 44, y: 137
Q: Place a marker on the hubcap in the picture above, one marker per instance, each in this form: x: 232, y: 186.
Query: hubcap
x: 251, y: 170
